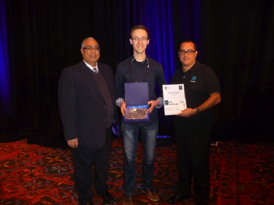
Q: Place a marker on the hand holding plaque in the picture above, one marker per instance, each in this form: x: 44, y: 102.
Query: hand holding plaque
x: 136, y: 112
x: 136, y: 97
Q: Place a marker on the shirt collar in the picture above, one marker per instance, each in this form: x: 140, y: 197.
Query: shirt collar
x: 135, y: 62
x: 91, y: 66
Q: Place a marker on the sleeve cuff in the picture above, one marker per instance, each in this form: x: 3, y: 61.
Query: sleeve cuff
x: 118, y: 101
x: 160, y: 99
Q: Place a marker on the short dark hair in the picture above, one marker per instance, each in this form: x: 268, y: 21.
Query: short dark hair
x: 139, y: 27
x: 188, y: 41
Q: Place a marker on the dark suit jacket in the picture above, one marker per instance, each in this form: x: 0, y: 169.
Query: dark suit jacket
x: 81, y: 105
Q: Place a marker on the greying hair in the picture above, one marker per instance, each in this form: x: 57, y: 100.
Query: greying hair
x: 82, y: 44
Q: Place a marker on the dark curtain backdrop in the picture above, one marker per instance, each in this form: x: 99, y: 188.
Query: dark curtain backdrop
x: 235, y: 38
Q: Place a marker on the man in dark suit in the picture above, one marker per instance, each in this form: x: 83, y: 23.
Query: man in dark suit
x: 87, y: 111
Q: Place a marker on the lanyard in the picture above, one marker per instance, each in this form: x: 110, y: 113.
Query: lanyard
x: 130, y: 70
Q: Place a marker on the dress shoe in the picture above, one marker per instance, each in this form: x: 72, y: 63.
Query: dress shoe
x: 128, y: 200
x: 151, y: 194
x: 176, y: 198
x: 108, y: 198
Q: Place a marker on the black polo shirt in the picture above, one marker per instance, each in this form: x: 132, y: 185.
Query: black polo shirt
x: 199, y: 82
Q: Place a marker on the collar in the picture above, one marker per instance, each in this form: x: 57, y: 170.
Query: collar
x: 135, y: 62
x: 91, y: 66
x: 192, y: 68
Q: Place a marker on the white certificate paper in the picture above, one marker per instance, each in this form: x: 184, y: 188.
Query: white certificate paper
x: 174, y: 99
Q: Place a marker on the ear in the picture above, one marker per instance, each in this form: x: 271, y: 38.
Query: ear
x: 148, y: 41
x: 81, y: 50
x: 130, y: 41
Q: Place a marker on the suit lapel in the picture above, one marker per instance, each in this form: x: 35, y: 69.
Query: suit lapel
x: 108, y: 81
x: 90, y: 77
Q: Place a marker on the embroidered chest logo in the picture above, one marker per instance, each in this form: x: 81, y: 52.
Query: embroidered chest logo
x: 193, y: 79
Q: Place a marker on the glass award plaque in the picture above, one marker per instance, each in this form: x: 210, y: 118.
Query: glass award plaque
x: 136, y: 97
x: 136, y: 113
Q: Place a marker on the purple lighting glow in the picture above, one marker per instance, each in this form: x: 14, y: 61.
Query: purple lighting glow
x: 5, y: 91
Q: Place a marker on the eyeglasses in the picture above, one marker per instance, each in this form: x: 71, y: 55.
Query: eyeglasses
x: 188, y: 52
x: 96, y: 48
x: 138, y: 39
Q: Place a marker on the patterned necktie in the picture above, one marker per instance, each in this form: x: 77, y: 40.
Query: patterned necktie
x: 95, y: 70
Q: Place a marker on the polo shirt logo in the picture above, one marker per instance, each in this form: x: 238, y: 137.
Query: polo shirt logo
x: 193, y: 79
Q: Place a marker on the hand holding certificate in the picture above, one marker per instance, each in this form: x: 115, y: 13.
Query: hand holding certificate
x: 174, y: 99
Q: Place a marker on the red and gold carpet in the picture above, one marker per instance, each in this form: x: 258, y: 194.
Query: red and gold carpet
x: 31, y: 174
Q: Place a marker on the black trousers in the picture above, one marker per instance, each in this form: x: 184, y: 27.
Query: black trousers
x: 193, y: 140
x: 84, y: 158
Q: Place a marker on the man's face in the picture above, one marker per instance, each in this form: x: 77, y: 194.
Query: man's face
x: 187, y: 59
x: 139, y: 41
x: 92, y: 52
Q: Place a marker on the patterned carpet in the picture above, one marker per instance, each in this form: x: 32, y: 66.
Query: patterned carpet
x: 32, y: 174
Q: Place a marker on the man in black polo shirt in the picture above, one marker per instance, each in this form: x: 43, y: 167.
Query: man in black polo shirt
x: 193, y: 125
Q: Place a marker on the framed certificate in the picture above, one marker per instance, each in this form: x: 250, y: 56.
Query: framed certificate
x: 174, y: 99
x: 136, y: 98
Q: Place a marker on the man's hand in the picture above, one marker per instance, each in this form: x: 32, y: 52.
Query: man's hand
x: 188, y: 112
x: 123, y: 107
x: 73, y: 143
x: 152, y: 104
x: 213, y: 100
